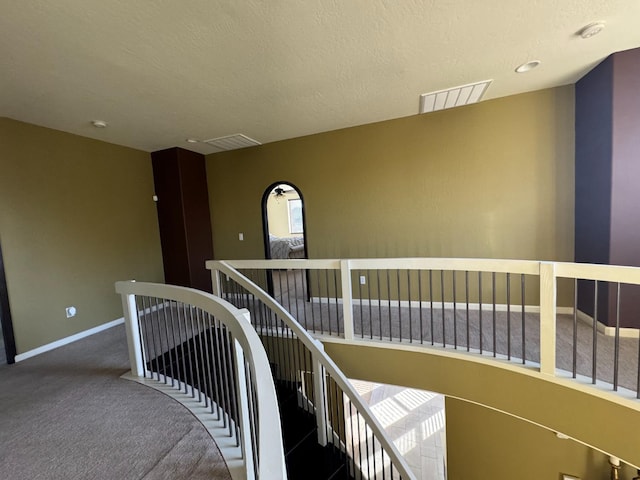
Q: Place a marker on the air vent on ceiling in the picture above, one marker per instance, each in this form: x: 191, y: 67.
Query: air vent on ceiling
x: 453, y: 97
x: 232, y: 142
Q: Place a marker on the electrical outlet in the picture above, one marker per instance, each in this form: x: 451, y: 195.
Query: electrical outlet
x: 241, y: 236
x: 70, y: 311
x: 363, y: 280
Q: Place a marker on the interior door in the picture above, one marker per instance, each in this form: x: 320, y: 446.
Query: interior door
x: 7, y: 342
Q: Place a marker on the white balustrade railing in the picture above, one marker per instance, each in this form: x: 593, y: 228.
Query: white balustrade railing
x: 207, y: 349
x: 344, y: 422
x: 518, y: 310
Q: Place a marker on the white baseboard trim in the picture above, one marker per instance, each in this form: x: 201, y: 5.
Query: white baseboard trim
x: 67, y: 340
x: 625, y: 332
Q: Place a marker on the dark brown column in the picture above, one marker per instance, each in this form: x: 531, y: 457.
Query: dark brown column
x: 607, y: 219
x: 183, y: 216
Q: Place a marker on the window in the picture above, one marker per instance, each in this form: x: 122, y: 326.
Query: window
x: 295, y: 216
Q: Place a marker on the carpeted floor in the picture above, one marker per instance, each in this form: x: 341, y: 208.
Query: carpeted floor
x: 67, y: 414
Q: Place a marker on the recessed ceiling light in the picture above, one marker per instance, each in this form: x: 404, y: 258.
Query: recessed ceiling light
x: 191, y: 140
x: 525, y: 67
x: 591, y: 29
x: 99, y: 123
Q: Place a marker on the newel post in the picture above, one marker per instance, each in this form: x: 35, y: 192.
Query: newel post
x: 320, y: 396
x: 244, y: 422
x: 347, y: 299
x: 131, y: 322
x: 216, y: 286
x: 548, y: 291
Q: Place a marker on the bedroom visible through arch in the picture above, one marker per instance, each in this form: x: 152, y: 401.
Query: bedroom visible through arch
x: 284, y: 225
x: 284, y: 222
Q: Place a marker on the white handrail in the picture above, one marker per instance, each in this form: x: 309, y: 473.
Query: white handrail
x: 587, y: 271
x: 396, y: 458
x: 604, y: 273
x: 527, y: 267
x: 307, y: 264
x: 271, y: 465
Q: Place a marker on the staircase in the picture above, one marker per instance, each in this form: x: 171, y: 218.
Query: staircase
x: 305, y: 458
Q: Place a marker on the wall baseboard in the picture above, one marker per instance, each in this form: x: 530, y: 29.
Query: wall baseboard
x: 67, y: 340
x: 625, y: 332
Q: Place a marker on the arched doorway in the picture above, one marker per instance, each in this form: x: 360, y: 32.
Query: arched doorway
x: 284, y: 229
x: 284, y: 222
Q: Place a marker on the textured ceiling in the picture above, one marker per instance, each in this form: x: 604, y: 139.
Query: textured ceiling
x: 165, y: 70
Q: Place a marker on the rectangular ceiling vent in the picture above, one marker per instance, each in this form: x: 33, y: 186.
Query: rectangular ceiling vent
x: 232, y: 142
x: 453, y: 97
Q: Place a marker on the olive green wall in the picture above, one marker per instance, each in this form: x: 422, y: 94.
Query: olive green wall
x: 484, y: 443
x: 75, y: 216
x: 591, y: 416
x: 493, y: 179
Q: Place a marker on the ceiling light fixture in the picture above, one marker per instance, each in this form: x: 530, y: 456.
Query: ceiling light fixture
x: 191, y: 140
x: 279, y: 193
x: 99, y: 123
x: 527, y: 67
x: 591, y: 29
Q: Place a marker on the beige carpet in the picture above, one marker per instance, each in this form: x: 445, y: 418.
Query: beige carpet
x: 66, y: 414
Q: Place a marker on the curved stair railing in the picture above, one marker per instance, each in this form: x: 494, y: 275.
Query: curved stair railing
x: 352, y: 442
x: 204, y: 351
